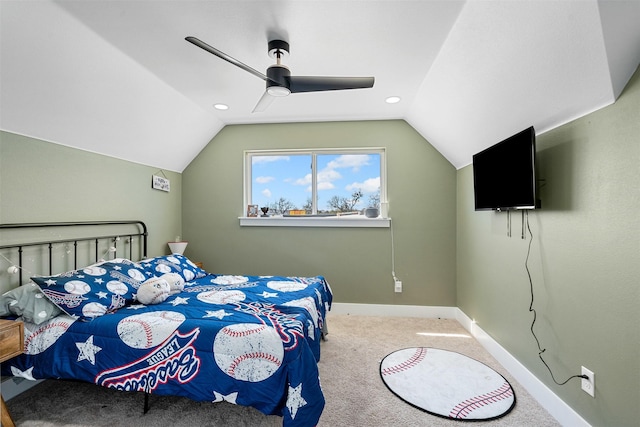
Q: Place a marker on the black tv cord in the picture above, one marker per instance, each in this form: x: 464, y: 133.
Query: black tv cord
x: 531, y: 309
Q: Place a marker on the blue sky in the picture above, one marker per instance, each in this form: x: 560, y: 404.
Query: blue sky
x: 290, y: 177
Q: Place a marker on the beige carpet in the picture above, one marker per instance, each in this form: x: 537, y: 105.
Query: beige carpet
x: 349, y: 371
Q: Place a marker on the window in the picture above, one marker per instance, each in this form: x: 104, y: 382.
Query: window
x: 316, y: 183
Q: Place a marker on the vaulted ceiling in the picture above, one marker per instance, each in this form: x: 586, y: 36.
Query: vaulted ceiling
x: 118, y: 77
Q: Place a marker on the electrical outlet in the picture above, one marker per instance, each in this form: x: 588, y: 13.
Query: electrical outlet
x: 589, y: 385
x: 398, y: 286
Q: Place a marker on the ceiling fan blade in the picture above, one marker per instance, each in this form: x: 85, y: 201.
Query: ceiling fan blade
x: 317, y: 84
x: 263, y: 103
x: 226, y: 57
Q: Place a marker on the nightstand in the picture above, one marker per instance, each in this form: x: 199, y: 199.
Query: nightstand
x: 11, y: 345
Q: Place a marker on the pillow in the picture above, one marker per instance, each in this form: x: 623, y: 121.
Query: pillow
x: 175, y: 263
x: 95, y: 290
x: 30, y: 303
x: 153, y: 291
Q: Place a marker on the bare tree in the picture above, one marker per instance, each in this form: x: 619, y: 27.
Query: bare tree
x: 308, y: 205
x: 374, y: 200
x: 344, y: 204
x: 281, y: 206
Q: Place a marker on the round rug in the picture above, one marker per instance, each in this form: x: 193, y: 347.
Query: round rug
x: 447, y: 384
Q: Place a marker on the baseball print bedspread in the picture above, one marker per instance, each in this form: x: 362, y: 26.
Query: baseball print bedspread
x: 248, y: 340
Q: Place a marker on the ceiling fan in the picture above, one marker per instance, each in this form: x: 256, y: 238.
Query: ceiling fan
x: 279, y: 80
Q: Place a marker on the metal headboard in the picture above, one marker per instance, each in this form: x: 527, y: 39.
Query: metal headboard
x: 141, y: 234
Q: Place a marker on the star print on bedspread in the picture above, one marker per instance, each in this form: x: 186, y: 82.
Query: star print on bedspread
x: 266, y: 294
x: 88, y: 350
x: 26, y: 374
x: 219, y: 314
x: 231, y: 397
x: 179, y: 301
x: 295, y: 400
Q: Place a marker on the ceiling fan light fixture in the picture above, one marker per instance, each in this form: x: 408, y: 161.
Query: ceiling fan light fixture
x: 278, y: 91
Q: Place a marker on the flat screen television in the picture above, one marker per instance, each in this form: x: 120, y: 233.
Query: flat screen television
x: 504, y: 175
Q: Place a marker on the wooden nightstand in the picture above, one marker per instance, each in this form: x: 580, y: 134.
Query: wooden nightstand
x: 11, y: 345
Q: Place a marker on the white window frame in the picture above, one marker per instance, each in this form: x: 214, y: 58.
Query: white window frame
x: 311, y: 220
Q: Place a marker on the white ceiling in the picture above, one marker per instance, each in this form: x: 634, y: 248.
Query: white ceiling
x: 118, y: 78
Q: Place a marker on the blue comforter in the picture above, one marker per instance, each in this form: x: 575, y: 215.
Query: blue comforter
x: 248, y: 340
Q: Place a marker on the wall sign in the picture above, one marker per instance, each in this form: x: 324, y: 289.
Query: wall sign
x: 160, y: 183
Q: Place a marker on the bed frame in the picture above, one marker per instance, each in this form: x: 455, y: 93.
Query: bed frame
x: 76, y: 237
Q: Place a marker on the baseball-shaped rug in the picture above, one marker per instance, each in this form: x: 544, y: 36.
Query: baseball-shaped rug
x: 447, y: 384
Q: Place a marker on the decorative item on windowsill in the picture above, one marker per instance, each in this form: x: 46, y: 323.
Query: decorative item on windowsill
x: 371, y: 212
x: 264, y: 210
x: 178, y: 246
x: 252, y: 210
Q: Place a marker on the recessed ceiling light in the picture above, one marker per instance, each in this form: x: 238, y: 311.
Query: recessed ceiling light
x: 221, y: 106
x: 392, y: 100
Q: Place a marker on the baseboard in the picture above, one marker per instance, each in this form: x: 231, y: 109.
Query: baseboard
x: 394, y: 310
x: 562, y: 412
x: 543, y: 394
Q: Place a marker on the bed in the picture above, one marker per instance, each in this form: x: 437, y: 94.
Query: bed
x: 247, y: 340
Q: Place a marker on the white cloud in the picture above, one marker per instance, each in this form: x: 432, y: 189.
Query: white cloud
x: 264, y: 179
x: 371, y: 185
x: 266, y: 193
x: 329, y: 175
x: 268, y: 159
x: 352, y: 161
x: 306, y: 180
x: 326, y: 185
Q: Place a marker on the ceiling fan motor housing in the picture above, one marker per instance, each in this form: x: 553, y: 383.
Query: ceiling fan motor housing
x: 278, y: 83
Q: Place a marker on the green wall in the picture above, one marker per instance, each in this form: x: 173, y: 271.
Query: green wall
x: 585, y: 263
x: 355, y: 261
x: 45, y: 182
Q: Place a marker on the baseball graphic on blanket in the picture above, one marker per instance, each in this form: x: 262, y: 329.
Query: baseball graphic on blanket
x: 286, y: 286
x: 94, y: 309
x: 94, y: 270
x: 308, y: 304
x: 229, y: 280
x: 147, y: 330
x: 221, y: 297
x: 38, y: 338
x: 248, y: 351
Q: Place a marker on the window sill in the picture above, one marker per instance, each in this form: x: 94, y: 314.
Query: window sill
x: 303, y: 221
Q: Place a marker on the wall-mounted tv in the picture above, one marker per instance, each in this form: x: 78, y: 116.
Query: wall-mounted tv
x: 504, y: 175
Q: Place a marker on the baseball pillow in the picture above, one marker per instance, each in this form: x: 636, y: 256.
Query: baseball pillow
x: 175, y: 263
x: 153, y: 291
x: 94, y: 290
